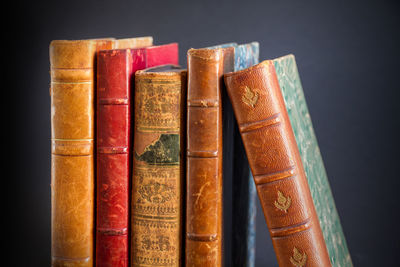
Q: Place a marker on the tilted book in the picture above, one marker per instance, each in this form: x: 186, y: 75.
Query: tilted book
x: 276, y: 166
x: 204, y: 154
x: 116, y: 69
x: 290, y: 84
x: 72, y: 136
x: 158, y: 166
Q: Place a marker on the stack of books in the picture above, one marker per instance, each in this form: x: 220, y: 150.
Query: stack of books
x: 140, y: 148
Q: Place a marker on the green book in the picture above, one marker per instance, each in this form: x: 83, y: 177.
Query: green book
x: 289, y: 81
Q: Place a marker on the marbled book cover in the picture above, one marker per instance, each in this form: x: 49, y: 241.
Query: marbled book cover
x: 289, y: 81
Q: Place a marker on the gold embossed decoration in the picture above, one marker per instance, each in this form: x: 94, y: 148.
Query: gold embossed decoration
x: 283, y: 203
x: 155, y: 192
x: 298, y: 259
x: 157, y: 176
x: 250, y: 97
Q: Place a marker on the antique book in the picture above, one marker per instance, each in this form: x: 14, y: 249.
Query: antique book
x: 204, y: 155
x: 239, y: 208
x: 244, y: 190
x: 290, y: 84
x: 276, y: 166
x: 158, y: 166
x: 72, y: 69
x: 227, y: 169
x: 115, y: 77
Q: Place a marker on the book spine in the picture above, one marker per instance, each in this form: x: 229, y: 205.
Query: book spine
x: 292, y: 91
x: 72, y: 161
x: 244, y: 190
x: 113, y: 156
x: 276, y: 166
x: 204, y: 155
x: 227, y: 168
x: 158, y: 168
x: 116, y: 70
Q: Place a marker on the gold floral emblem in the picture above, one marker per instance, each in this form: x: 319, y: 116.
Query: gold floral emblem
x: 283, y: 203
x: 298, y: 259
x: 160, y: 243
x: 250, y: 97
x: 155, y: 192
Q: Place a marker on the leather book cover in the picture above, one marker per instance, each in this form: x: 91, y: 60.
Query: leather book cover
x: 239, y: 207
x: 72, y: 70
x: 276, y: 166
x: 243, y: 188
x: 158, y: 166
x: 116, y: 69
x: 292, y: 91
x: 204, y: 155
x: 227, y: 168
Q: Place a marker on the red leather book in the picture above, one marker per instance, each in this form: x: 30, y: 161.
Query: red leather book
x: 116, y: 69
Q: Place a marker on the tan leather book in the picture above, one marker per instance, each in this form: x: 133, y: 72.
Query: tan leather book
x: 133, y: 42
x: 158, y: 166
x: 276, y: 166
x: 72, y: 137
x: 204, y: 155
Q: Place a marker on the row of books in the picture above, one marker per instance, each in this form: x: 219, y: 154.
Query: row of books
x: 140, y: 148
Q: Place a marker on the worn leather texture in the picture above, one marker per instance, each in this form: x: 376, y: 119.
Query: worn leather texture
x: 276, y: 166
x: 72, y: 69
x: 204, y: 155
x: 133, y: 42
x: 227, y: 170
x: 158, y: 166
x: 116, y: 69
x: 292, y: 91
x: 238, y: 186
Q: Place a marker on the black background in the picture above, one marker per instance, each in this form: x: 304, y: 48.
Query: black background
x: 348, y: 58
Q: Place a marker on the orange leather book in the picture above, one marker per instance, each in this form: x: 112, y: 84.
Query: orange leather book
x: 276, y: 166
x: 72, y: 132
x: 204, y: 155
x: 158, y: 166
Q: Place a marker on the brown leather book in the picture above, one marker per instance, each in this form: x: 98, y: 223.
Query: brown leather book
x: 204, y: 155
x: 276, y: 166
x: 72, y: 132
x: 158, y: 166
